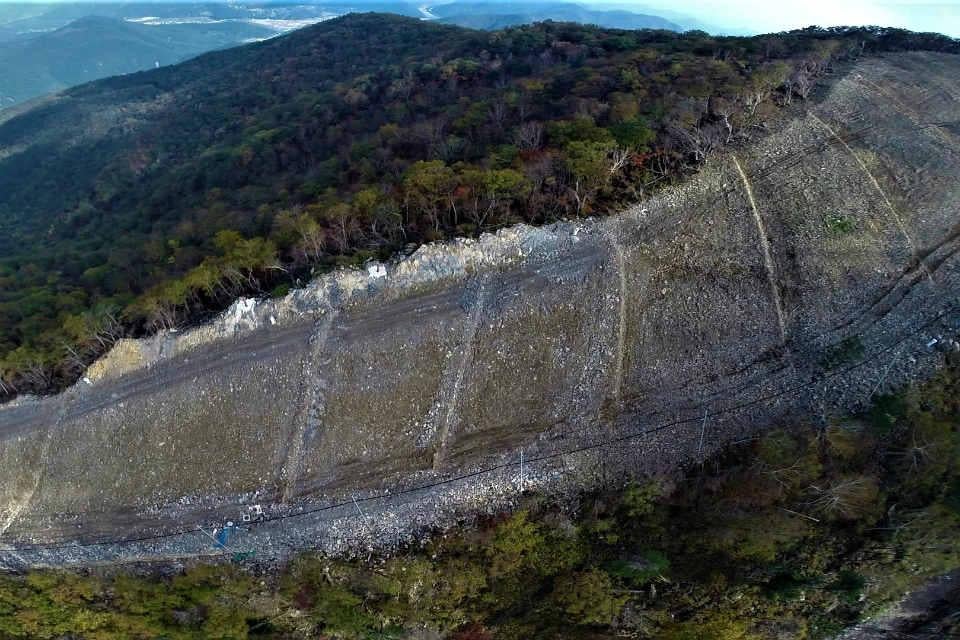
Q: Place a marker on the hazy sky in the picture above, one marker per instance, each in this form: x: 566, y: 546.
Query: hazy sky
x: 777, y: 15
x: 754, y: 16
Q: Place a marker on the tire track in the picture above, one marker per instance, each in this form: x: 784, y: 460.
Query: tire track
x: 310, y: 408
x: 765, y: 250
x: 876, y: 184
x: 450, y: 397
x: 898, y: 341
x: 901, y: 286
x: 616, y: 376
x: 24, y: 503
x: 943, y: 134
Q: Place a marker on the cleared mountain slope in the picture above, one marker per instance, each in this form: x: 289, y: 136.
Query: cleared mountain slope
x: 800, y: 275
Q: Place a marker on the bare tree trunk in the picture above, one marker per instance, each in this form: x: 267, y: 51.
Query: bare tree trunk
x: 619, y: 159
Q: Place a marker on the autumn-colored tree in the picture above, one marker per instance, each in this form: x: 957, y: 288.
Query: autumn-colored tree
x: 429, y: 187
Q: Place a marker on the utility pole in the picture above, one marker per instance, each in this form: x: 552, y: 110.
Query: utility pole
x: 521, y: 470
x: 703, y: 429
x: 363, y: 517
x: 883, y: 376
x: 366, y: 525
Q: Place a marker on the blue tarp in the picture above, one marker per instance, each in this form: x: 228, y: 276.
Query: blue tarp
x: 223, y: 536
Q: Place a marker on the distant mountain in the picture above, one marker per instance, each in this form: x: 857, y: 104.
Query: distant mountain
x: 19, y: 21
x: 693, y: 21
x: 47, y: 48
x: 499, y: 15
x: 97, y: 47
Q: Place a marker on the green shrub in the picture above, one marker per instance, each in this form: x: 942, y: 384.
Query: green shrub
x: 588, y: 598
x: 839, y: 224
x: 848, y: 351
x: 848, y: 585
x: 886, y: 412
x: 712, y: 627
x: 640, y: 568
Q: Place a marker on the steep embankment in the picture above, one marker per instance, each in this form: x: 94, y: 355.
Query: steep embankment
x: 795, y: 277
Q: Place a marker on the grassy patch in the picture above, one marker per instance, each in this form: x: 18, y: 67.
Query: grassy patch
x: 839, y: 224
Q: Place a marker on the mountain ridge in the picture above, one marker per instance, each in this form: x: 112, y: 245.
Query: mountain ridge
x: 486, y: 15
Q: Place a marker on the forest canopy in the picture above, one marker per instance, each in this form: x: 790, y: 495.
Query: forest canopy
x: 141, y: 202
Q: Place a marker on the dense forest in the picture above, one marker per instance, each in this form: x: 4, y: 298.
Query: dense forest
x: 142, y: 202
x: 796, y: 534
